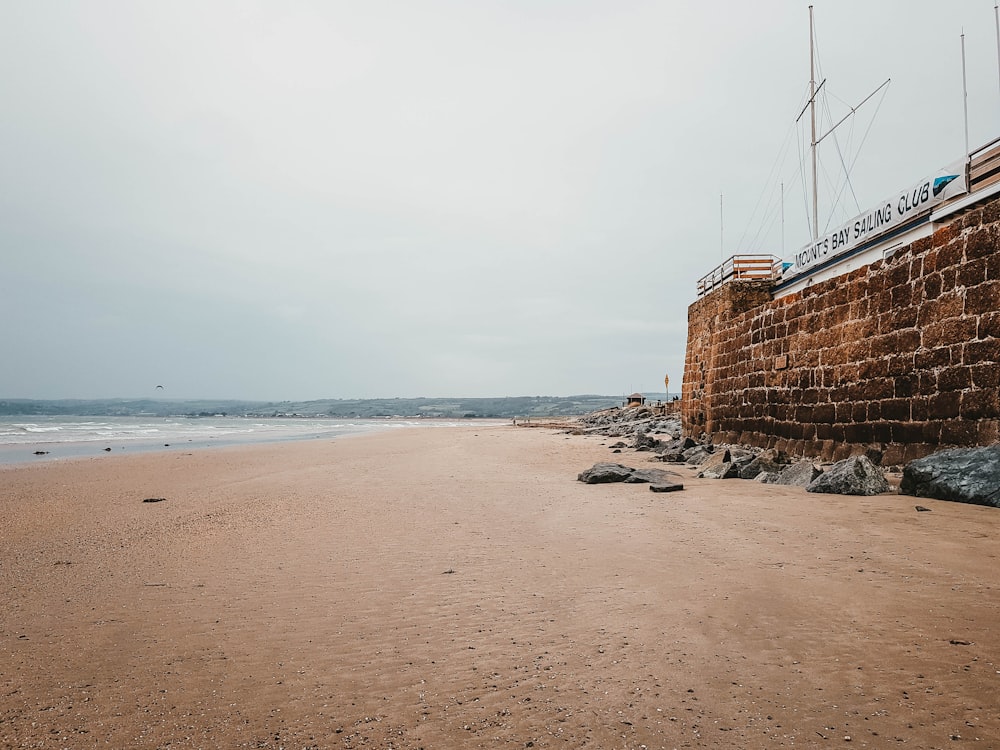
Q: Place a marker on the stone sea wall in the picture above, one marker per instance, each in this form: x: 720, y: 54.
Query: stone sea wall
x: 902, y: 355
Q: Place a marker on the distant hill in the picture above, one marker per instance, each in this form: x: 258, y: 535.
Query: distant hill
x: 504, y: 407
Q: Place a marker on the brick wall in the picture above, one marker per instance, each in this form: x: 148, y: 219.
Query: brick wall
x: 902, y: 354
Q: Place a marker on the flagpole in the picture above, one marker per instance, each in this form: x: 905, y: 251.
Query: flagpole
x: 965, y: 97
x: 996, y: 19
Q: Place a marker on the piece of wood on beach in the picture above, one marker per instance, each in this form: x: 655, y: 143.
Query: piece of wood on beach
x: 154, y: 499
x: 666, y: 487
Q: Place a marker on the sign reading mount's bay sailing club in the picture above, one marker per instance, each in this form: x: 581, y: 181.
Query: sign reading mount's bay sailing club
x: 946, y: 183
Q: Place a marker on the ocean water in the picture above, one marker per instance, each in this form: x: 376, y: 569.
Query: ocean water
x: 31, y: 439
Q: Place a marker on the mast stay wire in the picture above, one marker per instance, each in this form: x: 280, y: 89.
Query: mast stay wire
x: 848, y: 168
x: 775, y: 167
x: 838, y: 191
x: 771, y: 210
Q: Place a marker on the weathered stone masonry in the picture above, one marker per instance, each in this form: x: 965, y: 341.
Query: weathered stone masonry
x: 902, y: 354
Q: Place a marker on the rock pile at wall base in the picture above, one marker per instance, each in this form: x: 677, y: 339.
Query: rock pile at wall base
x: 852, y: 476
x: 964, y: 475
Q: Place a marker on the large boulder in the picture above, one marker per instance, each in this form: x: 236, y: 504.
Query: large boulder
x: 771, y: 461
x: 720, y: 465
x: 651, y: 476
x: 645, y: 442
x: 602, y: 473
x: 799, y: 474
x: 698, y: 454
x: 964, y: 475
x: 852, y: 476
x: 767, y: 477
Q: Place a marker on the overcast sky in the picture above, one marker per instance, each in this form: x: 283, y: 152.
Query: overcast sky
x: 298, y: 200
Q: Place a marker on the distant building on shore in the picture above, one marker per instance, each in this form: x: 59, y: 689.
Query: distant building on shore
x: 636, y: 399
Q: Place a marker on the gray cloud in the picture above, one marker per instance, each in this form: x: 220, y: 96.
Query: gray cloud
x: 305, y: 200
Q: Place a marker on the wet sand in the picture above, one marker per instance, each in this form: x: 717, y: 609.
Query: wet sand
x: 454, y: 588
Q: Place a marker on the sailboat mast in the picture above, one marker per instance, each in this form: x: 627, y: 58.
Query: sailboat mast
x: 812, y: 117
x: 996, y: 20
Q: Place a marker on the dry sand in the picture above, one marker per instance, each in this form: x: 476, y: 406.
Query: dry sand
x: 448, y: 588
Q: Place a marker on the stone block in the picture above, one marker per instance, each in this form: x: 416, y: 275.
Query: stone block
x: 971, y: 273
x: 893, y: 455
x: 984, y: 298
x: 931, y: 260
x: 985, y: 375
x: 959, y: 432
x: 931, y: 358
x: 947, y: 305
x: 919, y: 410
x: 971, y: 219
x: 859, y: 432
x: 859, y: 412
x: 922, y: 246
x: 899, y: 364
x: 824, y: 412
x: 904, y: 385
x: 896, y: 409
x: 882, y: 432
x: 991, y: 212
x: 993, y: 267
x: 878, y: 389
x: 981, y: 242
x: 989, y: 325
x: 932, y: 287
x: 978, y: 352
x: 897, y: 274
x: 979, y: 404
x: 904, y: 317
x: 954, y: 378
x: 907, y: 432
x: 989, y: 432
x: 901, y: 295
x: 944, y: 405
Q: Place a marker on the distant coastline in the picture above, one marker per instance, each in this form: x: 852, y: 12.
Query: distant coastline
x: 506, y: 407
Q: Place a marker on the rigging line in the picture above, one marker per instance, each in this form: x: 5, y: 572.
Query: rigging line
x: 857, y: 154
x: 871, y: 123
x: 771, y: 208
x: 766, y: 226
x: 838, y: 194
x: 774, y: 167
x: 802, y: 176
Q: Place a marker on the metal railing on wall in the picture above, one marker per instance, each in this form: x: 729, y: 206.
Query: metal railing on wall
x: 741, y: 268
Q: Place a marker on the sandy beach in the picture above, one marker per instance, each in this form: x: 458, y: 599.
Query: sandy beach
x: 445, y: 588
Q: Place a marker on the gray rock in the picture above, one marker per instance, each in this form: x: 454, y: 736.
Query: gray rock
x: 644, y: 442
x: 769, y: 461
x: 767, y: 477
x: 964, y: 475
x: 602, y: 473
x: 713, y: 462
x: 720, y: 466
x: 730, y: 470
x: 799, y: 474
x: 651, y: 476
x: 672, y: 457
x: 699, y: 454
x: 856, y: 475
